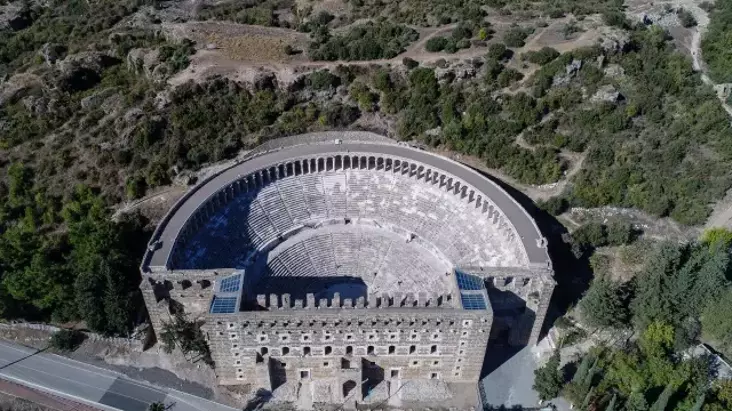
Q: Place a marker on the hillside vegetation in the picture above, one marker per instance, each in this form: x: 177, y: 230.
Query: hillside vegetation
x: 654, y: 371
x: 717, y: 43
x: 88, y: 120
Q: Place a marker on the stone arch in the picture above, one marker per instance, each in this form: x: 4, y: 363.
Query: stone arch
x: 372, y: 163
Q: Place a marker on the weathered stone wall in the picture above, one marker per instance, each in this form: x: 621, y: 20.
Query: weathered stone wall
x: 414, y: 343
x: 189, y: 290
x: 535, y: 289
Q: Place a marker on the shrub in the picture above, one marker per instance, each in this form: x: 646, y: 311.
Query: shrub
x: 554, y: 205
x: 436, y: 44
x: 323, y: 18
x: 603, y: 305
x: 620, y: 233
x: 410, y: 63
x: 548, y: 379
x: 135, y: 187
x: 323, y: 80
x: 706, y: 6
x: 67, y: 340
x: 185, y: 335
x: 543, y: 56
x: 497, y: 51
x: 717, y: 236
x: 461, y: 32
x: 717, y: 321
x: 508, y: 77
x: 156, y: 406
x: 516, y: 36
x: 590, y: 234
x: 368, y: 41
x: 686, y: 18
x: 615, y: 18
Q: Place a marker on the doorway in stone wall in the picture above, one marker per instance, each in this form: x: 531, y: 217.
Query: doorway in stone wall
x: 348, y: 387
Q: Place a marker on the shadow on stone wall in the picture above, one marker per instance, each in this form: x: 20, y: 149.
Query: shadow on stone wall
x: 572, y: 275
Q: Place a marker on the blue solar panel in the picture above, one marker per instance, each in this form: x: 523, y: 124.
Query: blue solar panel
x: 473, y: 301
x: 230, y: 284
x: 223, y: 305
x: 468, y: 282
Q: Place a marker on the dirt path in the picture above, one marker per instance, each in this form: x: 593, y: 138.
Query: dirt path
x: 696, y: 54
x: 159, y: 199
x: 722, y: 213
x: 426, y: 35
x: 215, y: 62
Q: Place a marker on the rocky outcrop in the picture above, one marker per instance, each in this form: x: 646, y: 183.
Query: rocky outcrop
x: 97, y: 99
x: 615, y: 41
x: 570, y: 71
x: 35, y: 104
x: 20, y: 86
x: 265, y: 81
x: 91, y: 60
x: 146, y: 61
x: 459, y: 71
x: 82, y: 71
x: 51, y: 52
x: 606, y: 93
x: 614, y: 70
x: 15, y: 16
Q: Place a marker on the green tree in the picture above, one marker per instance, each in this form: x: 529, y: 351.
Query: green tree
x: 611, y: 404
x: 515, y: 36
x: 686, y: 18
x: 436, y: 44
x: 717, y: 43
x: 716, y: 321
x: 636, y: 402
x: 699, y: 402
x: 717, y: 236
x: 548, y: 378
x: 603, y: 305
x: 67, y: 340
x: 497, y: 51
x: 554, y: 205
x: 543, y: 56
x: 156, y: 406
x: 619, y: 233
x: 578, y: 388
x: 662, y: 401
x: 651, y: 301
x: 186, y: 335
x: 590, y: 234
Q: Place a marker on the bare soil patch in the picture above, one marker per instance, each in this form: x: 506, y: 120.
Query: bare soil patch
x: 241, y: 42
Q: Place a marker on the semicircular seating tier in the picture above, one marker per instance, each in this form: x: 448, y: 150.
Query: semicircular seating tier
x: 414, y: 202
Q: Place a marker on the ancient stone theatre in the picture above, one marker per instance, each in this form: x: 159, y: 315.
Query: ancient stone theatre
x: 350, y: 262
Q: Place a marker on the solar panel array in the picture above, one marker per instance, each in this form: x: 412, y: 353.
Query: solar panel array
x: 230, y: 284
x: 468, y: 282
x: 223, y: 305
x: 473, y: 301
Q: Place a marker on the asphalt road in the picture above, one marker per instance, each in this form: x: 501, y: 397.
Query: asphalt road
x: 105, y: 389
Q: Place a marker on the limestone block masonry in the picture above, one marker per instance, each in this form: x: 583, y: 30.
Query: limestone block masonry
x: 349, y: 264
